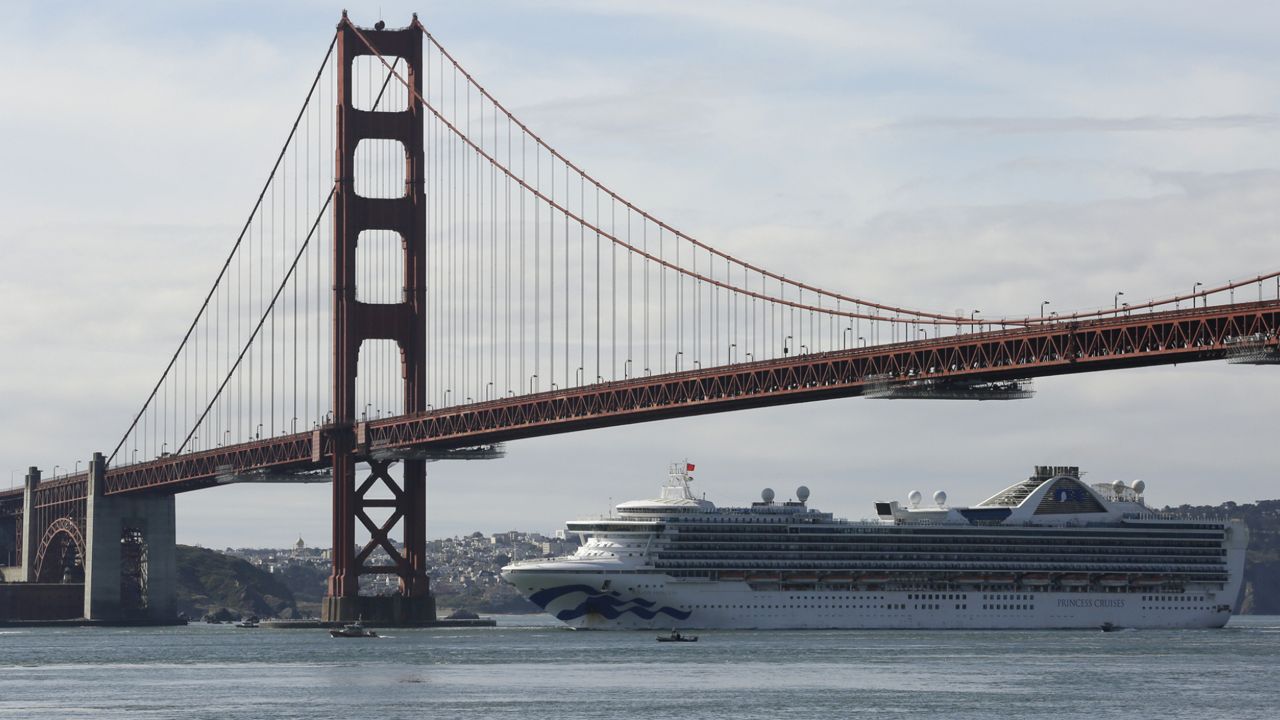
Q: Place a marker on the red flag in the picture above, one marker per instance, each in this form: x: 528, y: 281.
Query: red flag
x: 688, y: 467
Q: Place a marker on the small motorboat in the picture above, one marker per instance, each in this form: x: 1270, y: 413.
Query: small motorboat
x: 250, y: 622
x: 1108, y: 627
x: 352, y: 630
x: 675, y: 636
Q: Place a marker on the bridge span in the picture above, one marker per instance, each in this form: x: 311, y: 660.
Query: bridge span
x: 451, y: 281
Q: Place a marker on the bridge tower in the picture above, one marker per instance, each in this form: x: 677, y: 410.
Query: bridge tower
x: 355, y: 322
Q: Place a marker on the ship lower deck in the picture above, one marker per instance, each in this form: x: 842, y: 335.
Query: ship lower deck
x: 655, y: 601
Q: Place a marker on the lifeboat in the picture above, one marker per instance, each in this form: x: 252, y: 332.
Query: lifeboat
x: 1035, y: 580
x: 873, y: 579
x: 838, y: 579
x: 968, y: 580
x: 999, y: 580
x: 732, y: 575
x: 1150, y: 580
x: 1076, y: 580
x: 1113, y: 581
x: 763, y: 577
x: 802, y: 577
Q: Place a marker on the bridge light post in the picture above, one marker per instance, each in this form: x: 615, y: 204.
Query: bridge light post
x: 804, y: 349
x: 1193, y: 295
x: 1115, y: 301
x: 973, y: 320
x: 733, y: 351
x: 578, y: 376
x: 844, y: 337
x: 55, y: 470
x: 77, y: 466
x: 786, y: 345
x: 626, y: 369
x: 1042, y: 304
x: 862, y: 342
x: 533, y: 379
x: 677, y: 361
x: 924, y: 332
x: 750, y: 357
x: 258, y: 434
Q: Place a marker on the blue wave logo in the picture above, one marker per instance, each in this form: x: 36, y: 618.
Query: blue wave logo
x: 609, y: 605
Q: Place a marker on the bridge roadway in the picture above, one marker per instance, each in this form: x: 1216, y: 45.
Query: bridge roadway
x: 1052, y: 348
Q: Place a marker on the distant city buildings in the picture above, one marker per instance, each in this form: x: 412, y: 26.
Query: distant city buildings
x: 464, y: 570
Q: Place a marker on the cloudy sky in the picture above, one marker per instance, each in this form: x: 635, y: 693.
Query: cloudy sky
x: 984, y: 155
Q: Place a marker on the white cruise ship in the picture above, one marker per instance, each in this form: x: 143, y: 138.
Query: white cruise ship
x: 1048, y: 552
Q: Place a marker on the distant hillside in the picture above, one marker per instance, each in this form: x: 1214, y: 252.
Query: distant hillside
x: 209, y: 581
x: 1262, y: 563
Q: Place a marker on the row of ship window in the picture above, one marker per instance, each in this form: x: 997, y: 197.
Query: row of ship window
x: 918, y: 535
x: 888, y: 606
x: 917, y: 554
x: 697, y: 538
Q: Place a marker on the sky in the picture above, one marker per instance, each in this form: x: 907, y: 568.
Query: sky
x: 983, y: 155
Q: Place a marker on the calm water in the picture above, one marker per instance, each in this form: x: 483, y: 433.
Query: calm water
x: 529, y: 668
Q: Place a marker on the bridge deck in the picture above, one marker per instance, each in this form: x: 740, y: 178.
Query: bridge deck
x: 1052, y: 349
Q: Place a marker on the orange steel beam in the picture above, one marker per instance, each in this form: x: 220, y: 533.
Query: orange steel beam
x: 1053, y: 349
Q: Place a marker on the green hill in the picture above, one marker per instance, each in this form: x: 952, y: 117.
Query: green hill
x: 1262, y: 562
x: 209, y: 581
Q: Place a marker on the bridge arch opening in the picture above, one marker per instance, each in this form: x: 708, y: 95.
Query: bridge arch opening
x: 379, y: 380
x: 380, y: 267
x: 374, y: 89
x: 379, y: 171
x: 60, y: 555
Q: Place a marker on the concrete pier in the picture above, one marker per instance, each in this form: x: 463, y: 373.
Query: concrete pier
x: 30, y: 534
x: 114, y: 526
x: 383, y: 611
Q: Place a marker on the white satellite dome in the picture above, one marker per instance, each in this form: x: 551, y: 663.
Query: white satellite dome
x: 767, y: 495
x: 914, y: 498
x: 802, y: 493
x: 1118, y: 486
x: 1139, y: 486
x: 940, y: 498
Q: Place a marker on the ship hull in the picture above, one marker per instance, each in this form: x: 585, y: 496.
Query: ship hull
x: 648, y: 601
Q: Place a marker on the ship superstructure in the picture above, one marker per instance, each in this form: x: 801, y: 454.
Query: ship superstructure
x: 1048, y: 552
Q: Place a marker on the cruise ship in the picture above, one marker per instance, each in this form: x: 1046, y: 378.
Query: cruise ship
x: 1050, y: 551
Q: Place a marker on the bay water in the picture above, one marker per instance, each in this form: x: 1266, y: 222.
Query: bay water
x: 530, y: 667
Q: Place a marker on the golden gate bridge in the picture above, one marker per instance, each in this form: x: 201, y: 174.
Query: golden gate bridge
x: 422, y: 275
